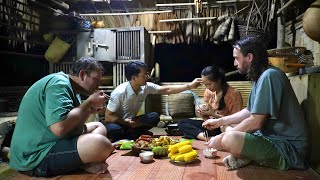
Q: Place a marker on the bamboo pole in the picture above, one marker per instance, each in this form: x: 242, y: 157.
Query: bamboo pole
x: 204, y: 3
x: 125, y: 14
x: 284, y: 7
x: 157, y: 32
x: 187, y: 19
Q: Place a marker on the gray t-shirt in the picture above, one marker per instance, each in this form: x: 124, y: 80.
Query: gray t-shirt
x: 286, y: 127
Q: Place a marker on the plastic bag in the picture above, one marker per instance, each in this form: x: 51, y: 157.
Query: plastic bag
x: 57, y: 49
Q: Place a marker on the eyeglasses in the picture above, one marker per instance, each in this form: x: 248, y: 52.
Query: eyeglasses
x: 146, y: 75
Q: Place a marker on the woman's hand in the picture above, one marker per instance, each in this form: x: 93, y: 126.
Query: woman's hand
x: 198, y: 114
x: 208, y: 112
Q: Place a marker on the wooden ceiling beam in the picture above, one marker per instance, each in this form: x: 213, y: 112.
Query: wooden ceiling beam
x: 124, y: 14
x: 204, y: 3
x: 187, y: 19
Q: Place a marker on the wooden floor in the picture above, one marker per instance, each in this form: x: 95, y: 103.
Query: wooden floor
x: 130, y: 168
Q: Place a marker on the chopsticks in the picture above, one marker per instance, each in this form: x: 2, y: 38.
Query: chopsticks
x: 108, y: 97
x: 206, y: 135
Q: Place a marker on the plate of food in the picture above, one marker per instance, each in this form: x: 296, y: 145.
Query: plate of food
x: 143, y: 143
x: 184, y: 162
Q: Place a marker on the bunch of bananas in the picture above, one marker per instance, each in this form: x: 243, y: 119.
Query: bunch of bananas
x: 182, y: 152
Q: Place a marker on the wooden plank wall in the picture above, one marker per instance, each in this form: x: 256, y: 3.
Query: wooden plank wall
x: 308, y: 94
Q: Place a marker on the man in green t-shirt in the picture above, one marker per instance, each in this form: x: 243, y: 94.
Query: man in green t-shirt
x: 50, y: 136
x: 271, y: 130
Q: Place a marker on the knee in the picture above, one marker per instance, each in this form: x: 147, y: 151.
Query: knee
x: 94, y: 147
x: 154, y: 118
x: 154, y: 115
x: 102, y: 129
x: 104, y: 145
x: 182, y: 123
x: 114, y: 129
x: 229, y: 140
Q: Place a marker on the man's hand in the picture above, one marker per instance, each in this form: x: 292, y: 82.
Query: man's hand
x: 133, y: 123
x: 195, y: 83
x: 212, y: 123
x: 97, y: 102
x: 99, y: 110
x: 215, y: 142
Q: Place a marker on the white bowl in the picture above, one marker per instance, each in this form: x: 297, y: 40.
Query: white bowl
x: 146, y: 156
x: 210, y: 152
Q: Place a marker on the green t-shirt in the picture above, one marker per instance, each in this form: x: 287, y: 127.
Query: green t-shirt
x: 47, y: 101
x: 286, y: 127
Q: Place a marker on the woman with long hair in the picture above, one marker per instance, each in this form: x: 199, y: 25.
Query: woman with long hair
x: 220, y: 99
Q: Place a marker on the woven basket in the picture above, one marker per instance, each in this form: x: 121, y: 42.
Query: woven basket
x: 252, y: 31
x: 289, y: 51
x: 181, y: 105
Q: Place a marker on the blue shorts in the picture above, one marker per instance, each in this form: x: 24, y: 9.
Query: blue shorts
x: 61, y: 159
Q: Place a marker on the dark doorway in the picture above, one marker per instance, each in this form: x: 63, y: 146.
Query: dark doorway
x: 184, y: 62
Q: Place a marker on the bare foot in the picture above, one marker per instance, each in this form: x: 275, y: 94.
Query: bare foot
x: 96, y: 168
x: 114, y: 146
x: 232, y: 162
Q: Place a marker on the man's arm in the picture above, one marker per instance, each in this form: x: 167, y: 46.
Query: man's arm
x: 172, y: 89
x: 252, y: 123
x: 227, y: 120
x: 236, y: 117
x: 79, y: 115
x: 113, y: 118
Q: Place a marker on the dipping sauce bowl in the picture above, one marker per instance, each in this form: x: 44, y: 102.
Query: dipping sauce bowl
x: 210, y: 152
x: 146, y: 156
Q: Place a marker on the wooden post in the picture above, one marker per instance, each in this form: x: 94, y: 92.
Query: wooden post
x: 281, y: 29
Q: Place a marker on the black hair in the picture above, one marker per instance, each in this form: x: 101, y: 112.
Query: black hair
x: 214, y: 73
x: 133, y: 69
x: 88, y: 64
x: 260, y: 61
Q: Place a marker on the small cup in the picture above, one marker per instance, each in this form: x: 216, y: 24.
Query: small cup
x: 210, y: 152
x: 146, y: 156
x: 204, y: 107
